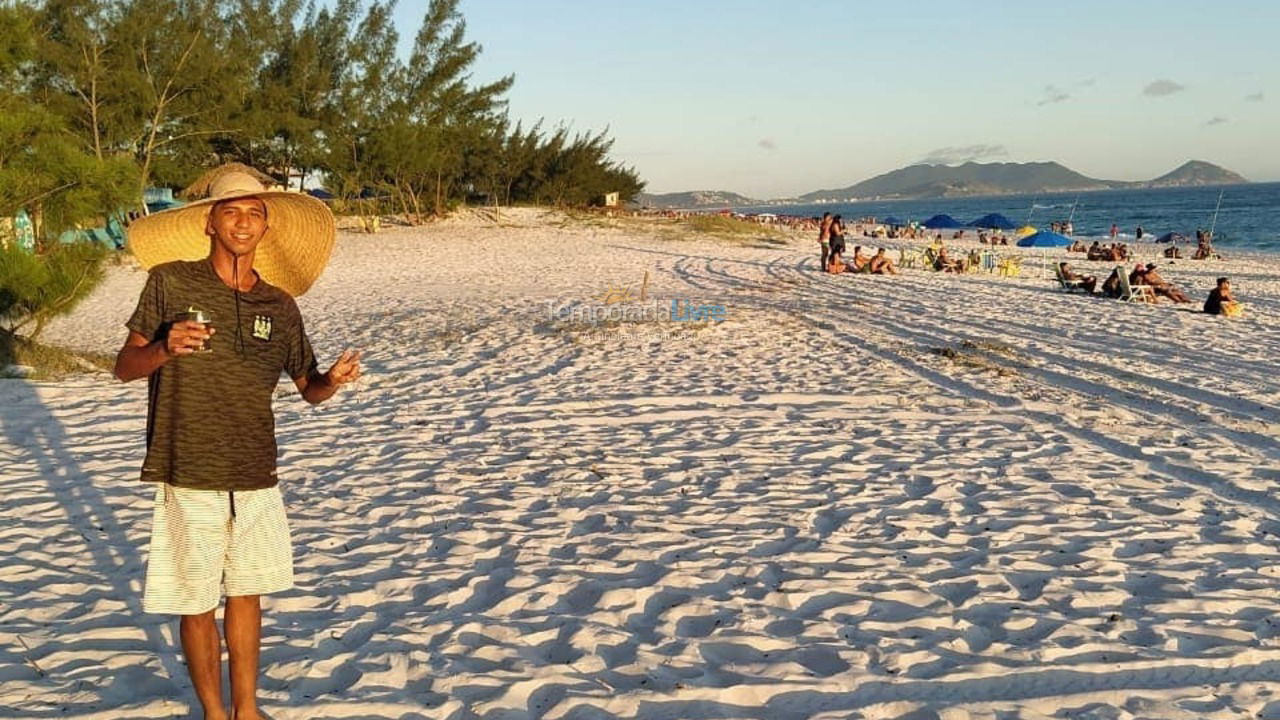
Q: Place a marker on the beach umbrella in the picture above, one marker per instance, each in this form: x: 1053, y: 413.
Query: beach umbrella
x: 1026, y: 230
x: 994, y: 221
x: 943, y: 222
x: 1171, y: 237
x: 892, y: 221
x: 1044, y: 239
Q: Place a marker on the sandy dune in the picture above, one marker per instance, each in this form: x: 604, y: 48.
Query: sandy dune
x: 915, y: 497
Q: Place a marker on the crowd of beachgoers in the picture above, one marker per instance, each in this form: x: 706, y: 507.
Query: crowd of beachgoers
x: 1143, y: 283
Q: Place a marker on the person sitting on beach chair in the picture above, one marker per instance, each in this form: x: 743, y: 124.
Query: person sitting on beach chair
x: 881, y: 264
x: 1221, y: 302
x: 1137, y: 276
x: 1163, y: 287
x: 944, y: 263
x: 1134, y: 287
x: 1070, y: 280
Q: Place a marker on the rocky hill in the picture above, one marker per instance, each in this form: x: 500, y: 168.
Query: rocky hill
x: 694, y: 200
x: 934, y: 181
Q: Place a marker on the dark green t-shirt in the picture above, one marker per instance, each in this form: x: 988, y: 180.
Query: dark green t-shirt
x: 209, y: 418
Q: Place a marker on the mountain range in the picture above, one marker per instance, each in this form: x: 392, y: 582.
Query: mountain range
x: 939, y: 181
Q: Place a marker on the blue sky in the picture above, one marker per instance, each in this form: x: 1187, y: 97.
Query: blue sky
x: 779, y: 98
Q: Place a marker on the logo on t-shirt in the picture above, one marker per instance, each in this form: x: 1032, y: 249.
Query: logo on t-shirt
x: 262, y: 327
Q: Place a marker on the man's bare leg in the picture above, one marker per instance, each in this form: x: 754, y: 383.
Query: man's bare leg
x: 243, y: 627
x: 203, y: 649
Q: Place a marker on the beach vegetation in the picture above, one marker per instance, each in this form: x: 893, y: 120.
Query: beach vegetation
x: 35, y: 288
x: 25, y: 358
x: 968, y: 356
x: 728, y: 226
x: 43, y: 168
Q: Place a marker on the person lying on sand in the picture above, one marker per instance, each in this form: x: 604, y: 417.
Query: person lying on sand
x: 1163, y: 287
x: 882, y: 265
x: 1088, y: 282
x: 1221, y: 301
x: 1173, y: 252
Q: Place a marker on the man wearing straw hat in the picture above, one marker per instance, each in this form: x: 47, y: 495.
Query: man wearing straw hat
x: 215, y: 326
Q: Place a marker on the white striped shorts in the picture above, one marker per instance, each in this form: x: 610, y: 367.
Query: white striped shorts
x: 202, y: 544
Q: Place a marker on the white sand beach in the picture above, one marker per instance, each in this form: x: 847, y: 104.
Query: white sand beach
x: 913, y: 497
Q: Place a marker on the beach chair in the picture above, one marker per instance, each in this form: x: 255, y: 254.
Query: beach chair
x: 1134, y: 293
x: 909, y: 258
x: 929, y: 257
x: 1010, y: 266
x: 1068, y: 285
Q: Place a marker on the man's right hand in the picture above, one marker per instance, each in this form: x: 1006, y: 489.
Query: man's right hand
x: 187, y: 337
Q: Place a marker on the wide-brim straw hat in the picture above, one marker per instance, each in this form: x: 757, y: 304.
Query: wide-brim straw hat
x: 293, y: 252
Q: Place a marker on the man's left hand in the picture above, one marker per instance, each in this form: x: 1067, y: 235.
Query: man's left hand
x: 346, y: 369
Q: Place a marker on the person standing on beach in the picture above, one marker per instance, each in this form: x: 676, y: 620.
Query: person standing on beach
x: 212, y: 337
x: 824, y: 237
x: 1115, y: 231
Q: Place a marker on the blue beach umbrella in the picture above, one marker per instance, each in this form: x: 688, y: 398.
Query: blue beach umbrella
x: 994, y: 221
x: 891, y: 220
x: 1045, y: 239
x: 943, y: 222
x: 1171, y: 237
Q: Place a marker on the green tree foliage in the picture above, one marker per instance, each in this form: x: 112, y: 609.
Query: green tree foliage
x: 43, y: 169
x: 37, y: 288
x: 176, y: 86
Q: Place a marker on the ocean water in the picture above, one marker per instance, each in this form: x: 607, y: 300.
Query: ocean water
x: 1249, y: 218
